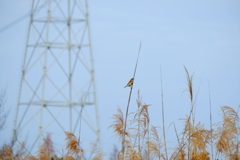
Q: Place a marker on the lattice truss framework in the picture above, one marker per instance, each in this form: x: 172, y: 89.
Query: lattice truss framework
x: 57, y: 89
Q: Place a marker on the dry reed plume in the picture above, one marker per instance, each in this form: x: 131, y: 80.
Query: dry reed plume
x: 227, y: 134
x: 73, y: 147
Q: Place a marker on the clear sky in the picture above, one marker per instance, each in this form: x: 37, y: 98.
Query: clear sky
x: 202, y: 35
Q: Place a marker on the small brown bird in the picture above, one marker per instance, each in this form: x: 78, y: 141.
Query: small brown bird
x: 130, y: 83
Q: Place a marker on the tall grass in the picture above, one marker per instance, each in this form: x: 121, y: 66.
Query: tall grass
x: 143, y: 141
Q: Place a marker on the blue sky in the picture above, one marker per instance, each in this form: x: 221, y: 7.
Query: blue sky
x: 202, y: 35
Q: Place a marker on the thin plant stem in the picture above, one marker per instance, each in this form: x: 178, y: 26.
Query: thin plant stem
x: 194, y: 103
x: 176, y: 133
x: 148, y: 143
x: 129, y: 99
x: 210, y: 107
x: 164, y: 132
x: 190, y: 89
x: 139, y: 141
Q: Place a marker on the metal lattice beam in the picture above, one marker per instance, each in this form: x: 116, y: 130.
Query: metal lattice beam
x: 57, y: 88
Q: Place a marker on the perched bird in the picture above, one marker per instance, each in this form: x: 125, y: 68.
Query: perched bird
x: 130, y: 83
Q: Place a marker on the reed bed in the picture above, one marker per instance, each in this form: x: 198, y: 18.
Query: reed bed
x: 143, y: 141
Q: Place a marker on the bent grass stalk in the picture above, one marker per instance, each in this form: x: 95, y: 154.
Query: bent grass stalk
x: 129, y: 99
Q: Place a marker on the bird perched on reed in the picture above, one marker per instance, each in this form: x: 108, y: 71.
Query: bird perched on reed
x: 130, y: 83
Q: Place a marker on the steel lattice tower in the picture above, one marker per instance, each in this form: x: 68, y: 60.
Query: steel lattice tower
x: 57, y: 88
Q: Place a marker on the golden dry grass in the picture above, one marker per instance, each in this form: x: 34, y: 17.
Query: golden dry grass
x: 143, y: 141
x: 227, y: 134
x: 118, y: 124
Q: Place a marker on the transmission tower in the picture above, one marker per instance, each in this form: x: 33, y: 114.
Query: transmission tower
x: 57, y: 88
